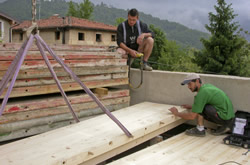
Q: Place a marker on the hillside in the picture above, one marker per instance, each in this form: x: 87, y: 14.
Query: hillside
x: 21, y: 10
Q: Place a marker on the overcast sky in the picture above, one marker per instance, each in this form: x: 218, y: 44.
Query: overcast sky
x: 191, y: 13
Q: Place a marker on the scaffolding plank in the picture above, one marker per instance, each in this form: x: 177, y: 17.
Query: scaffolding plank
x: 28, y: 115
x: 32, y: 64
x: 79, y: 71
x: 93, y: 140
x: 71, y: 86
x: 57, y: 101
x: 66, y: 55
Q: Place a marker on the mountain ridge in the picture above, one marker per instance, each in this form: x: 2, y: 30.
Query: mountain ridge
x: 184, y: 36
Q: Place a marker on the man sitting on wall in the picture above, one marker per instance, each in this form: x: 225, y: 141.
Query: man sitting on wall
x: 133, y: 36
x: 210, y: 103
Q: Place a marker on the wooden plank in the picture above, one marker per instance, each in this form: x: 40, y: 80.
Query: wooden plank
x: 27, y: 115
x: 26, y: 128
x: 57, y: 101
x: 89, y: 139
x: 52, y: 88
x: 186, y: 150
x: 80, y: 71
x: 62, y: 47
x: 70, y: 63
x: 65, y: 79
x: 132, y: 144
x: 101, y: 91
x: 66, y: 55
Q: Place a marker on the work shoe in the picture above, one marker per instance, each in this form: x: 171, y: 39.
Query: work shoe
x: 195, y: 132
x: 221, y: 130
x: 147, y: 67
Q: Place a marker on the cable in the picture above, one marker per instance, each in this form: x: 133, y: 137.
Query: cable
x: 199, y: 71
x: 230, y: 162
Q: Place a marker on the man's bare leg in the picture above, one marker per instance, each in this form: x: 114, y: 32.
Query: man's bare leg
x: 146, y: 47
x: 200, y: 120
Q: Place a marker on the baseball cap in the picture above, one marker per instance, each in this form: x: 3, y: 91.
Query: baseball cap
x: 190, y: 77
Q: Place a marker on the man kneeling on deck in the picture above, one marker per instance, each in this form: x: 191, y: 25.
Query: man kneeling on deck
x: 210, y: 103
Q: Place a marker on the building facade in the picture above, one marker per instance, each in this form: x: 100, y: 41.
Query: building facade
x: 69, y: 30
x: 6, y: 22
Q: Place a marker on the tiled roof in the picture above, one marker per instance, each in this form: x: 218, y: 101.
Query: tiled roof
x: 57, y: 21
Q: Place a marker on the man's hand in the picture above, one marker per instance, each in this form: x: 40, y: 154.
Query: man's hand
x: 133, y: 53
x: 174, y: 111
x: 186, y: 106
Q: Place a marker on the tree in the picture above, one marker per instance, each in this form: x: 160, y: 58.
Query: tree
x: 222, y: 52
x: 168, y: 55
x: 86, y: 9
x: 72, y: 10
x: 82, y: 10
x: 119, y: 20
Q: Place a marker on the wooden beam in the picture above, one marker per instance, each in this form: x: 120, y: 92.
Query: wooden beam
x: 90, y: 139
x: 52, y: 88
x: 27, y: 115
x: 57, y: 101
x: 65, y: 55
x: 55, y: 47
x: 33, y: 64
x: 79, y: 71
x: 101, y: 91
x: 186, y: 150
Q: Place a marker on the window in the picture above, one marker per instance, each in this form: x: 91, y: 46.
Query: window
x: 81, y: 37
x: 113, y: 37
x: 57, y: 35
x: 21, y: 36
x: 98, y: 38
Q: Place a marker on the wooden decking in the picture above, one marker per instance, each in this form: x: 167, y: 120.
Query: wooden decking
x: 186, y: 150
x: 91, y: 141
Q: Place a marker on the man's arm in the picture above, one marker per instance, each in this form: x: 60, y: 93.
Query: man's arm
x: 142, y: 36
x: 184, y: 115
x: 127, y: 49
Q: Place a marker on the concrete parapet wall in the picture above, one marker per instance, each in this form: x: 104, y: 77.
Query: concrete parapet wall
x: 164, y: 87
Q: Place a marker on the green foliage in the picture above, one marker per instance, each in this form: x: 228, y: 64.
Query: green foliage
x: 119, y: 20
x: 86, y: 9
x: 244, y: 63
x: 82, y: 10
x: 177, y: 59
x: 222, y: 52
x: 72, y: 11
x: 168, y: 55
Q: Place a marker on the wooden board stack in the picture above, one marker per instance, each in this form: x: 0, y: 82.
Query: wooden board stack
x: 35, y: 103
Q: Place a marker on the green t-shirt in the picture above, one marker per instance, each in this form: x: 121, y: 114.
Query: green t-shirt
x: 209, y: 94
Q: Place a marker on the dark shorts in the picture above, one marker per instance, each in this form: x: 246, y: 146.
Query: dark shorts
x: 209, y: 113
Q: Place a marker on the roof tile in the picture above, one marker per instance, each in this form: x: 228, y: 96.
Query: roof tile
x: 57, y: 21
